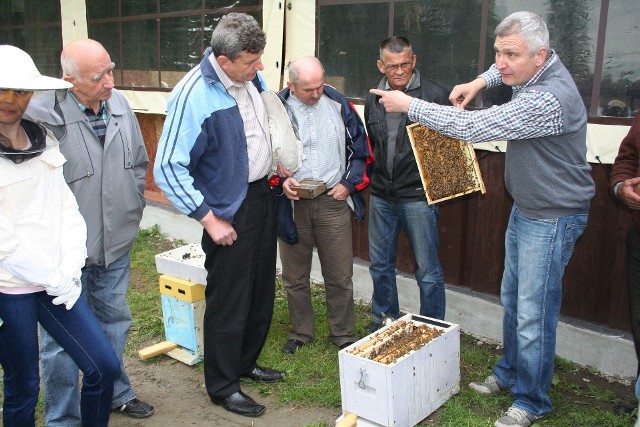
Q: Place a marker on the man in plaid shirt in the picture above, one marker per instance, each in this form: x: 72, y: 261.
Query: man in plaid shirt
x: 548, y: 176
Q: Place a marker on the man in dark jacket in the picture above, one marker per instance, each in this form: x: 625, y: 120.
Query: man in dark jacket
x: 336, y: 151
x: 625, y: 177
x: 397, y: 196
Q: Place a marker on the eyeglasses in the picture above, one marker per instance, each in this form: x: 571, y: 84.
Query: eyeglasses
x: 394, y: 67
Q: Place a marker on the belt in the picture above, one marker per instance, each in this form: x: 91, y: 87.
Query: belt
x: 258, y: 182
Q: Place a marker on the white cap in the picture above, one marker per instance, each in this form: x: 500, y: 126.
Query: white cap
x: 20, y: 73
x: 286, y: 146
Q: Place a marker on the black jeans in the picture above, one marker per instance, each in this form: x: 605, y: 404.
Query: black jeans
x: 240, y: 293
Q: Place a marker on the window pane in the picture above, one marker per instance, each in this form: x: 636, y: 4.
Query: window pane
x: 33, y: 11
x: 42, y: 44
x: 573, y: 32
x: 97, y: 9
x: 18, y: 12
x: 621, y: 64
x: 215, y: 4
x: 157, y: 53
x: 181, y: 41
x: 138, y: 7
x: 348, y: 45
x: 444, y: 35
x: 108, y: 36
x: 211, y: 22
x: 139, y: 58
x: 177, y: 6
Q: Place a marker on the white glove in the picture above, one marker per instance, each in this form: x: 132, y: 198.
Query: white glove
x: 66, y: 292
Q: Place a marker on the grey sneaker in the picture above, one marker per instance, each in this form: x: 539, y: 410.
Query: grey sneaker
x: 488, y: 386
x: 515, y: 418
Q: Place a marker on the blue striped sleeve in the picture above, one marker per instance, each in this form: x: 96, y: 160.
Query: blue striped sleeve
x: 181, y: 129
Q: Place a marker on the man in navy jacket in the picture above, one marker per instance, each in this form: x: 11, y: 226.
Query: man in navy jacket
x: 336, y: 151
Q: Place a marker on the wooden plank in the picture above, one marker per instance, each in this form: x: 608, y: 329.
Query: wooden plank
x: 156, y: 349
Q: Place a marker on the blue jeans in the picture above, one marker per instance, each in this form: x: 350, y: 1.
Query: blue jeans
x: 78, y: 332
x: 419, y: 221
x: 536, y: 254
x: 105, y: 289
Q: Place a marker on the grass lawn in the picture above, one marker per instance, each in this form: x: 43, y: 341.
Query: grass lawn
x: 580, y: 396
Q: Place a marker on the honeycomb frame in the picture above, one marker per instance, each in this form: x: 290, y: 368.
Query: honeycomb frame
x: 448, y: 167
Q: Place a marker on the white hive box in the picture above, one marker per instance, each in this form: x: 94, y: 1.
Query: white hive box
x: 407, y: 391
x: 185, y: 262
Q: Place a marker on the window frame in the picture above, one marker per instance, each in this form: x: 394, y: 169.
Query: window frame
x: 158, y: 16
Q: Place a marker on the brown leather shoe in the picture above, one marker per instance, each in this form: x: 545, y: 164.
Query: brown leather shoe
x: 241, y: 404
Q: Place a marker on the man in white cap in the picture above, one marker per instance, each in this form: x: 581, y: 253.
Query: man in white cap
x: 106, y: 166
x: 42, y: 249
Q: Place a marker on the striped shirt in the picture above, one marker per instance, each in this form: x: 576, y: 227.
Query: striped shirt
x: 97, y: 120
x: 254, y: 116
x: 323, y: 140
x: 530, y: 114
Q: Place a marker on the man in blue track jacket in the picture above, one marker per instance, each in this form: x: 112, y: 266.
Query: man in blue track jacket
x: 212, y: 163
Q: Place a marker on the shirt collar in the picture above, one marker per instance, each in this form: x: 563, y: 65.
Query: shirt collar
x: 224, y: 79
x: 552, y: 59
x: 301, y: 105
x: 84, y: 108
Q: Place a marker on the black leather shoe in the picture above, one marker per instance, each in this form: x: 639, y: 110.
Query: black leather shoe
x: 623, y: 409
x: 241, y: 404
x: 265, y: 375
x: 135, y: 409
x: 292, y: 346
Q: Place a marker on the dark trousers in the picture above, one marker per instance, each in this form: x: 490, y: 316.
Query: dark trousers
x: 240, y: 293
x: 633, y: 278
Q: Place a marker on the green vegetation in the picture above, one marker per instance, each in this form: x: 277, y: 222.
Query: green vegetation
x: 580, y: 398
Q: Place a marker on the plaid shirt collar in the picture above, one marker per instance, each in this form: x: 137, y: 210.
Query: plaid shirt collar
x: 552, y: 58
x: 102, y: 112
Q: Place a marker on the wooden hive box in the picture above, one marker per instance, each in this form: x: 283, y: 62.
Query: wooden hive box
x: 181, y: 288
x: 404, y: 392
x: 183, y: 326
x: 448, y: 167
x: 182, y: 285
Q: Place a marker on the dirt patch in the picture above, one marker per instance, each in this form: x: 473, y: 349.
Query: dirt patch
x: 178, y: 395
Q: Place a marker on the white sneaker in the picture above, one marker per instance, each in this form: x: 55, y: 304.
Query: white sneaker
x: 488, y: 386
x: 515, y: 418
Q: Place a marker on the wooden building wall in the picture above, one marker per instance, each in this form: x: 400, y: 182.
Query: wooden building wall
x: 472, y: 246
